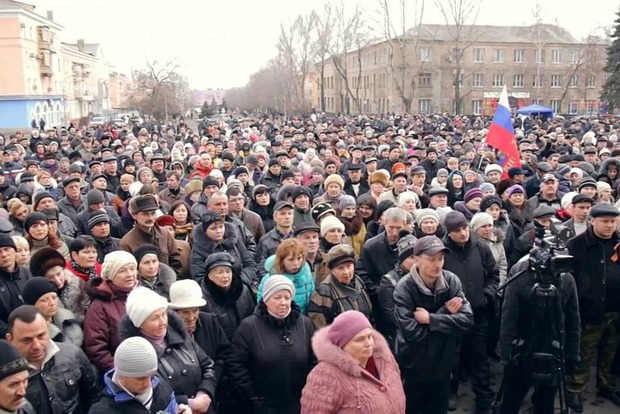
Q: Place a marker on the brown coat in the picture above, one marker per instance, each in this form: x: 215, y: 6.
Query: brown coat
x: 168, y: 197
x: 163, y: 239
x: 185, y: 252
x: 253, y: 222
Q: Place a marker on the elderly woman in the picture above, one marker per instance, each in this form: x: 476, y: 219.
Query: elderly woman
x: 214, y: 235
x: 290, y: 261
x: 38, y: 234
x: 271, y: 354
x: 333, y: 186
x: 332, y: 233
x: 63, y: 325
x: 521, y: 212
x: 50, y: 264
x: 108, y: 295
x: 427, y: 224
x: 228, y: 298
x: 182, y: 363
x: 341, y: 291
x: 356, y: 373
x: 353, y: 221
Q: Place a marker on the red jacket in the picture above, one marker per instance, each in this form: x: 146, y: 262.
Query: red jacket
x: 352, y: 389
x: 103, y: 316
x: 199, y: 170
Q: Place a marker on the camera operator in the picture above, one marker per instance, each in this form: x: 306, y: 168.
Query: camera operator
x: 518, y: 335
x: 597, y: 275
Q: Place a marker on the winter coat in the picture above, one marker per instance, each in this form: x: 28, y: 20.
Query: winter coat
x: 538, y: 200
x: 210, y: 336
x: 300, y: 216
x: 519, y: 310
x: 232, y: 244
x: 386, y: 319
x: 355, y: 230
x: 230, y: 306
x: 199, y: 208
x: 67, y: 383
x: 339, y: 385
x: 331, y: 298
x: 36, y: 245
x: 364, y: 187
x: 271, y: 359
x: 462, y: 207
x: 428, y: 352
x: 114, y: 400
x: 334, y: 202
x: 476, y: 268
x: 590, y: 273
x: 69, y: 210
x: 169, y: 197
x: 265, y: 213
x: 270, y: 180
x: 103, y: 316
x: 73, y: 296
x: 499, y: 254
x: 303, y: 281
x: 163, y: 239
x: 105, y: 246
x: 253, y: 223
x: 267, y: 246
x: 377, y: 258
x: 11, y: 285
x: 165, y: 278
x: 320, y: 271
x: 200, y: 171
x: 183, y: 364
x: 115, y: 221
x: 65, y: 327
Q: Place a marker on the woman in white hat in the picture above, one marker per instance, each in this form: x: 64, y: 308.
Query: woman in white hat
x: 182, y: 362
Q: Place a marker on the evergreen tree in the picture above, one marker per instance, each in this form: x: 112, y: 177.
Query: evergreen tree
x: 207, y: 110
x: 611, y: 89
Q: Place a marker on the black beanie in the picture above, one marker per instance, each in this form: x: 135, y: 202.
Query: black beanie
x: 94, y: 197
x: 273, y: 162
x: 7, y: 241
x: 38, y: 196
x: 145, y: 249
x: 488, y: 201
x: 33, y: 218
x: 11, y: 361
x: 210, y: 181
x: 455, y: 220
x: 35, y: 288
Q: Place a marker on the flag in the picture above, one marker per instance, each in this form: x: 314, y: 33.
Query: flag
x: 501, y: 134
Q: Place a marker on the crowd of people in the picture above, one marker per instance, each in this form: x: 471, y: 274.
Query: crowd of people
x: 280, y: 265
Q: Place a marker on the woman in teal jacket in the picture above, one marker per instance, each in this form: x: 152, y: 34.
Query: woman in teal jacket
x: 290, y: 261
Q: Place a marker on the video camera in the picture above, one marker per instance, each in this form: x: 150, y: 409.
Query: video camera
x: 547, y: 259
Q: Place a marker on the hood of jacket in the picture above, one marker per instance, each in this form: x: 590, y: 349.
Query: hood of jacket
x: 326, y: 351
x: 605, y: 165
x: 97, y: 288
x: 116, y: 392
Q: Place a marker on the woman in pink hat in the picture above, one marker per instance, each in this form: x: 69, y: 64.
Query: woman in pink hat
x: 356, y: 373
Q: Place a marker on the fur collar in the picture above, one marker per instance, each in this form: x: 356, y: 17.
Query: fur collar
x: 326, y: 351
x: 176, y: 329
x: 352, y: 226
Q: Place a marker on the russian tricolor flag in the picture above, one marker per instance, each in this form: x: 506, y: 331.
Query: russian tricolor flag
x: 501, y: 134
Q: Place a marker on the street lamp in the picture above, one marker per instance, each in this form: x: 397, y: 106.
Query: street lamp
x: 64, y: 98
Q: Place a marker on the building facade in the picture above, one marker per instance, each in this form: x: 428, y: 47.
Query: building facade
x: 417, y: 73
x: 44, y: 78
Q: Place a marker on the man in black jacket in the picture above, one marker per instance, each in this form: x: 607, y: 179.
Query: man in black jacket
x: 597, y: 275
x: 473, y: 262
x: 432, y: 313
x: 12, y: 279
x: 519, y: 331
x: 62, y: 380
x: 355, y: 184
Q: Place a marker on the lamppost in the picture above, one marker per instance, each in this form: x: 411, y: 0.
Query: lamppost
x: 64, y: 98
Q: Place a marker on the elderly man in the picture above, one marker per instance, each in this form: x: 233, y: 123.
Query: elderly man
x: 147, y: 231
x: 62, y: 380
x: 548, y: 194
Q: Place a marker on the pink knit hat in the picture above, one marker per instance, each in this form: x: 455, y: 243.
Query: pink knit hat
x: 346, y: 326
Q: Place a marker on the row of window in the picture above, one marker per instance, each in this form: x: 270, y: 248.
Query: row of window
x: 425, y: 54
x: 498, y: 80
x: 425, y: 106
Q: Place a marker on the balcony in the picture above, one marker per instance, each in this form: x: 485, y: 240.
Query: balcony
x: 83, y: 95
x: 44, y: 37
x: 46, y: 70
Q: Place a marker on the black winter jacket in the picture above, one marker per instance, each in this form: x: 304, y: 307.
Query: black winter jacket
x: 232, y: 243
x: 377, y: 258
x: 476, y: 268
x: 230, y: 306
x: 385, y: 299
x: 589, y: 271
x: 271, y: 358
x: 210, y: 336
x: 105, y: 246
x: 66, y: 385
x: 183, y: 363
x: 519, y: 311
x: 11, y: 285
x: 428, y: 352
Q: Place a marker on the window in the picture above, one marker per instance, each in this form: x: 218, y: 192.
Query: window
x: 537, y: 102
x: 519, y: 55
x: 498, y: 55
x: 498, y: 80
x: 478, y: 55
x: 574, y: 55
x: 424, y: 80
x: 573, y: 107
x: 556, y: 81
x: 555, y: 105
x: 477, y: 80
x: 424, y: 54
x: 591, y: 56
x: 476, y: 106
x: 425, y: 106
x: 538, y: 81
x: 574, y: 81
x: 591, y: 81
x: 556, y: 55
x: 539, y: 56
x: 517, y: 81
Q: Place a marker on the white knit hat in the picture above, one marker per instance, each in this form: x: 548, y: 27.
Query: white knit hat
x: 141, y: 303
x: 480, y: 219
x: 329, y: 223
x: 426, y: 213
x: 185, y: 294
x: 276, y: 283
x: 135, y: 357
x: 113, y: 262
x: 567, y: 199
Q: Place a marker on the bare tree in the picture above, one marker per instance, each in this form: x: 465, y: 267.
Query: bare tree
x: 460, y: 17
x: 539, y: 41
x: 401, y: 44
x: 323, y: 35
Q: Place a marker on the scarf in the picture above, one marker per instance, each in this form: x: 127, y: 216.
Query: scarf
x: 90, y: 272
x: 183, y: 229
x: 124, y: 195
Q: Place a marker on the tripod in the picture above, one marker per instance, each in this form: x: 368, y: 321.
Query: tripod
x: 543, y: 355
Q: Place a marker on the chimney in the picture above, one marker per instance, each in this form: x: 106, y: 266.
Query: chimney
x: 80, y: 45
x: 50, y: 15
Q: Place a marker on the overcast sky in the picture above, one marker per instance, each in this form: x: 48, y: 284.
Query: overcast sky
x: 220, y: 43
